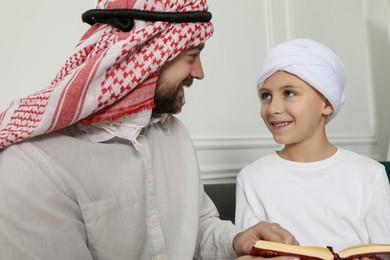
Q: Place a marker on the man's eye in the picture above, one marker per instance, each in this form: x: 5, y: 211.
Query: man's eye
x: 194, y: 55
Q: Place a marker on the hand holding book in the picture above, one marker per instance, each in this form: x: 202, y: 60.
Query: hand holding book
x: 243, y: 241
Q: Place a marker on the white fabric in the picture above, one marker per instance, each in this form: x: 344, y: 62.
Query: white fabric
x: 64, y: 196
x: 314, y: 63
x: 341, y: 201
x: 127, y: 127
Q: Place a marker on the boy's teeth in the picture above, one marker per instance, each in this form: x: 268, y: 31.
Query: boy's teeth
x: 281, y: 124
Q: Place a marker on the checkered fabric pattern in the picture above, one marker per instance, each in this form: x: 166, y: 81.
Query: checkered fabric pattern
x: 110, y: 75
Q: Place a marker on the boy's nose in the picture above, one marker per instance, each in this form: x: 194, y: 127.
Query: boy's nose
x: 275, y: 106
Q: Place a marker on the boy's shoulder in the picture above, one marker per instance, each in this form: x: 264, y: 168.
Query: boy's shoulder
x: 265, y: 162
x: 345, y: 160
x: 360, y: 167
x: 359, y: 160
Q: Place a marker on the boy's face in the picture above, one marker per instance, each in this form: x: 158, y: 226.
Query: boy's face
x: 174, y: 76
x: 293, y: 111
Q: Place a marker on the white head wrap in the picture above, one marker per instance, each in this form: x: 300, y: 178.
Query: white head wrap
x: 314, y: 63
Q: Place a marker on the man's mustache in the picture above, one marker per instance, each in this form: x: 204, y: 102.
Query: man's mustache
x: 188, y: 81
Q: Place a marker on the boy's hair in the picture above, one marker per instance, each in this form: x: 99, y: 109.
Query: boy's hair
x: 314, y: 63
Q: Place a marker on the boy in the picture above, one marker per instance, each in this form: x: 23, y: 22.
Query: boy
x: 323, y: 194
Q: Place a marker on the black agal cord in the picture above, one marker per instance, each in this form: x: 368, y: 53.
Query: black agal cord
x: 123, y: 19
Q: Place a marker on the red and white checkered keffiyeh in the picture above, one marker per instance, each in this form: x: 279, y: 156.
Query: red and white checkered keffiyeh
x: 111, y: 74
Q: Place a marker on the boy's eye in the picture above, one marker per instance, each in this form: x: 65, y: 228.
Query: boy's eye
x: 265, y: 96
x: 289, y: 93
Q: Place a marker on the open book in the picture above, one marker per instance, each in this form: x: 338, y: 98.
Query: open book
x: 272, y: 249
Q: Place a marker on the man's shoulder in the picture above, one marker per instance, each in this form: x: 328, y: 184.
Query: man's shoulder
x: 51, y: 142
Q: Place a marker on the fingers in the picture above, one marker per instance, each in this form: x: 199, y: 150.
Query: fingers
x: 244, y: 241
x: 274, y: 232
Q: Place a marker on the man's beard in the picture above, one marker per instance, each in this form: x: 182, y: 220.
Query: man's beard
x: 169, y: 98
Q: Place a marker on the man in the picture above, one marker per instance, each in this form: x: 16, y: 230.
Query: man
x: 95, y: 166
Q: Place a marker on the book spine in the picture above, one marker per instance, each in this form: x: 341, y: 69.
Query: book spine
x: 335, y: 255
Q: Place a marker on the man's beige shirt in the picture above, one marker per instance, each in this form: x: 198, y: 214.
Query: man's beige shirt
x: 83, y: 193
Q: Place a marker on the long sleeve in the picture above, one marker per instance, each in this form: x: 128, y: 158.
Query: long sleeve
x: 378, y: 211
x: 215, y: 236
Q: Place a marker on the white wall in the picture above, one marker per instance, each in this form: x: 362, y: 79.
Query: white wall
x: 222, y: 111
x: 36, y: 39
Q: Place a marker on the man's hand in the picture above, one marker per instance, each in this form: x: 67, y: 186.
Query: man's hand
x: 244, y: 241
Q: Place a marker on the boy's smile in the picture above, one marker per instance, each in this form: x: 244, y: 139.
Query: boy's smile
x: 281, y: 124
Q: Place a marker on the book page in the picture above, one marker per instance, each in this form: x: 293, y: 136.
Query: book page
x: 364, y: 249
x: 318, y: 252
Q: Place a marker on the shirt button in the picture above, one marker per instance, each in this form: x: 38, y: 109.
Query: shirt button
x: 149, y: 179
x: 160, y: 257
x: 140, y: 140
x: 153, y: 219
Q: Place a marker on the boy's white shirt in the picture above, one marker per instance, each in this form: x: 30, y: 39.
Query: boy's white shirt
x: 341, y: 201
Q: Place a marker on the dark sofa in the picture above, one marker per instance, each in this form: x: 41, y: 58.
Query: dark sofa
x: 224, y: 196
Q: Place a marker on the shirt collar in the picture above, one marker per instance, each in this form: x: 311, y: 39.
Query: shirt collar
x: 128, y: 127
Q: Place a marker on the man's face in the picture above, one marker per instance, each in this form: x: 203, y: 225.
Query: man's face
x: 174, y: 76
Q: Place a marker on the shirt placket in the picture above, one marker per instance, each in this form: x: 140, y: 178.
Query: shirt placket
x: 152, y: 217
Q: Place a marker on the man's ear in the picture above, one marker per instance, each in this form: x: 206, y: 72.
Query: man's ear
x: 328, y: 108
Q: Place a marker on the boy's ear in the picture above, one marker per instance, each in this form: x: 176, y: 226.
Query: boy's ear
x: 328, y: 108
